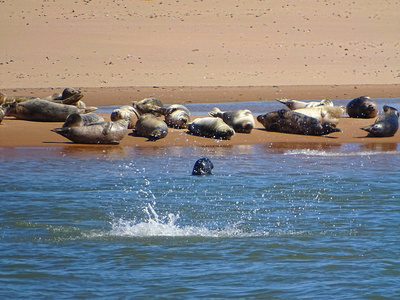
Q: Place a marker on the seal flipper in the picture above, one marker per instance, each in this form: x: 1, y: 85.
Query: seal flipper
x: 107, y: 128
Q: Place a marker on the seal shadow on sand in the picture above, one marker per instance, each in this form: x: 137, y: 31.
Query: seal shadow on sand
x: 289, y: 134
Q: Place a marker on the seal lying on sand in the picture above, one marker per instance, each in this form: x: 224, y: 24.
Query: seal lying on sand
x: 2, y: 113
x: 43, y: 110
x: 148, y: 105
x: 151, y: 127
x: 126, y: 111
x: 101, y: 133
x: 296, y: 104
x: 240, y: 120
x: 385, y: 125
x: 74, y: 120
x: 327, y: 114
x: 176, y: 115
x: 211, y: 127
x: 362, y: 107
x: 288, y: 121
x: 203, y: 166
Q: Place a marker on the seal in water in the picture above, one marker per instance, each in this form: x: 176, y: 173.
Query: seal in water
x: 151, y: 127
x: 385, y: 125
x: 148, y: 105
x: 75, y: 119
x: 176, y: 115
x: 288, y: 121
x: 211, y: 127
x: 43, y: 110
x: 203, y: 166
x: 327, y: 114
x: 241, y: 121
x: 362, y: 107
x: 296, y: 104
x: 101, y: 133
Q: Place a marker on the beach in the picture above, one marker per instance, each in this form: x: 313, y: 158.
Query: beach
x: 194, y: 52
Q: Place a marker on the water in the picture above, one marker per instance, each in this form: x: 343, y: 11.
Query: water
x: 319, y: 222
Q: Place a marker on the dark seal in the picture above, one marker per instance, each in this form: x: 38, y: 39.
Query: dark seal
x: 203, y: 166
x: 289, y: 121
x: 385, y: 125
x: 362, y: 107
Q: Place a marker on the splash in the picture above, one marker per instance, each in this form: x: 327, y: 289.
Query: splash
x: 156, y: 226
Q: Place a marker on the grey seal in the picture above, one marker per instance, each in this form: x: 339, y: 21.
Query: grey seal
x: 211, y: 127
x: 151, y: 127
x: 126, y: 111
x: 385, y: 125
x: 362, y: 107
x: 323, y: 113
x: 241, y: 121
x: 176, y: 115
x: 296, y: 104
x: 148, y: 105
x: 75, y: 119
x: 203, y: 166
x: 288, y: 121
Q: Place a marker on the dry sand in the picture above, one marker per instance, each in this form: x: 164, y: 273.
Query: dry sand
x: 187, y: 51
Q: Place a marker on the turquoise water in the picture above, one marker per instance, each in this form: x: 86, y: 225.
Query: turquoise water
x: 319, y: 222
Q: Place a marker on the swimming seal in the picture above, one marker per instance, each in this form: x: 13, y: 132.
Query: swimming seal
x: 100, y: 133
x: 362, y: 107
x: 151, y: 127
x: 241, y: 121
x: 288, y: 121
x: 203, y: 166
x: 75, y: 119
x: 296, y: 104
x: 323, y: 113
x: 385, y: 125
x: 43, y: 110
x: 211, y: 127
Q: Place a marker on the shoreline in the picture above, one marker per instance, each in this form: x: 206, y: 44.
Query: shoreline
x: 19, y: 133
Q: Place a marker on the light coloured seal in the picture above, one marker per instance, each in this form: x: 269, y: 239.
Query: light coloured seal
x: 385, y: 125
x: 211, y: 127
x: 362, y: 107
x: 43, y: 110
x: 75, y: 119
x: 288, y: 121
x: 151, y: 127
x: 241, y: 121
x: 148, y: 105
x: 126, y: 111
x: 327, y: 114
x: 101, y: 133
x: 2, y: 113
x: 296, y: 104
x: 176, y: 115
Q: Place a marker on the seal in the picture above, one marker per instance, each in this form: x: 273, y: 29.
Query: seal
x: 323, y: 113
x: 288, y: 121
x: 100, y: 133
x: 126, y: 111
x: 4, y: 99
x: 43, y: 110
x: 385, y: 125
x: 176, y: 115
x: 211, y: 127
x: 203, y: 166
x: 241, y: 121
x: 148, y: 105
x: 151, y: 127
x: 296, y: 104
x: 362, y: 107
x: 74, y: 120
x: 2, y: 113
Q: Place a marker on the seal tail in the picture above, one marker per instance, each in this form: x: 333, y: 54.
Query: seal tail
x: 216, y: 113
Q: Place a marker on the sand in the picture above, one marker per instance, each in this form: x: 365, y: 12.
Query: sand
x: 199, y: 51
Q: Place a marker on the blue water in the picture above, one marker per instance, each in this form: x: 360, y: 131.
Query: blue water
x: 272, y: 222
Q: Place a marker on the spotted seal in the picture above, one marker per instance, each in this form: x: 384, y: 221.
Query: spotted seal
x: 241, y: 121
x: 75, y: 119
x: 362, y: 107
x: 203, y: 166
x: 151, y: 127
x: 176, y: 115
x: 323, y: 113
x: 148, y: 105
x: 211, y: 127
x: 99, y: 133
x: 385, y: 125
x: 128, y: 112
x: 288, y: 121
x: 296, y: 104
x: 43, y: 110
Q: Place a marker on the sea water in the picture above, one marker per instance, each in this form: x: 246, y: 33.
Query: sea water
x: 311, y: 222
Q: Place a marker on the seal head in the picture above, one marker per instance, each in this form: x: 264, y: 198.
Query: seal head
x: 203, y: 166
